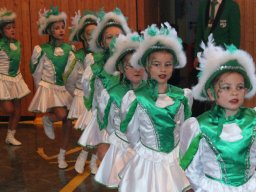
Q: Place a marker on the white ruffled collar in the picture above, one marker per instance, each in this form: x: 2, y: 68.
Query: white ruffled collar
x: 163, y: 100
x: 13, y: 46
x: 58, y: 51
x: 231, y: 132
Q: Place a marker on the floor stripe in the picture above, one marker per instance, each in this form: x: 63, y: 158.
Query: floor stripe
x: 76, y: 181
x: 41, y: 152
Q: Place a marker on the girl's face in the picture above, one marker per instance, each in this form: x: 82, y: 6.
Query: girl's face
x: 58, y: 30
x: 132, y: 74
x: 229, y: 92
x: 88, y: 32
x: 9, y: 30
x: 108, y: 35
x: 160, y: 66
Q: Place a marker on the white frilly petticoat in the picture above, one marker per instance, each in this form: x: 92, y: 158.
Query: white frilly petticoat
x: 84, y: 119
x: 152, y: 171
x: 48, y: 96
x: 77, y: 106
x: 92, y: 135
x: 210, y: 185
x: 117, y: 156
x: 12, y: 87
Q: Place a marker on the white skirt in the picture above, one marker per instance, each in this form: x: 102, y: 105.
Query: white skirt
x: 48, y: 96
x: 152, y: 171
x: 13, y: 87
x: 84, y: 119
x: 92, y: 135
x: 77, y: 107
x: 210, y: 185
x: 117, y: 156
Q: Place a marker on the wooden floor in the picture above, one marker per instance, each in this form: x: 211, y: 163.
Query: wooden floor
x: 32, y: 167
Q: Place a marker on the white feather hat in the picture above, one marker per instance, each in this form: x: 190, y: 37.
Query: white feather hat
x: 79, y: 22
x: 47, y: 17
x: 155, y: 39
x: 119, y: 47
x: 6, y: 16
x: 215, y: 60
x: 114, y: 18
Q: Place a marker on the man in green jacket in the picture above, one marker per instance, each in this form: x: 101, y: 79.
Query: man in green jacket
x: 222, y: 19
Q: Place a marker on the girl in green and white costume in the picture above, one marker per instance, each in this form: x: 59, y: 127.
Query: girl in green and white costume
x: 12, y: 85
x: 47, y: 66
x: 119, y: 151
x: 81, y: 30
x: 95, y: 79
x: 155, y: 114
x: 218, y: 148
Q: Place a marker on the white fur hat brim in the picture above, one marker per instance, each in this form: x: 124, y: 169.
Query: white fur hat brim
x: 119, y: 19
x: 124, y: 45
x: 213, y: 59
x: 81, y: 24
x: 168, y: 43
x: 6, y: 18
x: 43, y: 22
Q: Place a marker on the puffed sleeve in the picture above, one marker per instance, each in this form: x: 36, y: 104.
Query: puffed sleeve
x: 71, y: 75
x: 36, y: 64
x: 113, y: 116
x: 86, y: 79
x: 127, y: 100
x: 103, y: 106
x: 130, y: 118
x: 132, y: 131
x: 188, y: 94
x: 190, y: 151
x: 89, y: 60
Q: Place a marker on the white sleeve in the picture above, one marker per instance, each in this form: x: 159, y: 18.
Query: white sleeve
x: 89, y: 60
x: 37, y: 61
x: 127, y: 100
x: 86, y: 79
x: 104, y: 98
x: 71, y: 62
x: 132, y: 132
x: 194, y: 172
x: 111, y: 119
x: 72, y: 77
x: 189, y: 129
x: 189, y: 95
x: 36, y: 54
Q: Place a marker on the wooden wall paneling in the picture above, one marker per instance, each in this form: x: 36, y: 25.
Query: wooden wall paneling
x: 148, y: 13
x: 140, y: 15
x: 248, y: 37
x: 26, y: 54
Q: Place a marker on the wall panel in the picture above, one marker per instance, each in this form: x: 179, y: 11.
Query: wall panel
x: 248, y: 33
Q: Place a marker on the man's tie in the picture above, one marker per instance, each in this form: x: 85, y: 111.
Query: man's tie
x: 212, y: 13
x: 211, y: 19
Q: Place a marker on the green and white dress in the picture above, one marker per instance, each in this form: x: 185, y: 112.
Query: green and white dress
x: 12, y: 84
x: 152, y: 126
x: 218, y: 153
x: 119, y: 152
x: 94, y: 80
x: 47, y: 66
x: 73, y: 83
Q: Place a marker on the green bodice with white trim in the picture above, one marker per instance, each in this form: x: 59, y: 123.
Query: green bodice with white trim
x: 13, y: 55
x: 162, y: 119
x: 233, y: 157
